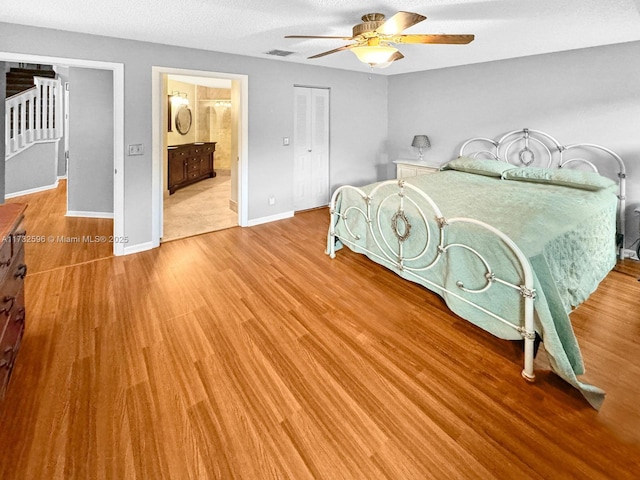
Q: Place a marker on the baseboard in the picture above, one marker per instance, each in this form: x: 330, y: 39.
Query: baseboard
x: 141, y: 247
x: 233, y: 206
x: 32, y: 190
x: 628, y: 253
x: 76, y: 213
x: 271, y: 218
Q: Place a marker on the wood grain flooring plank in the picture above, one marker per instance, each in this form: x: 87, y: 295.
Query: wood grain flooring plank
x: 242, y: 438
x: 149, y: 456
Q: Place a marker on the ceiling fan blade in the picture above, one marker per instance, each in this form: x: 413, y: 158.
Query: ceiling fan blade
x: 440, y: 39
x: 316, y: 36
x: 399, y: 22
x: 346, y: 47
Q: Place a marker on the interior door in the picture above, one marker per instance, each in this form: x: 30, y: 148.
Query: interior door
x: 311, y: 148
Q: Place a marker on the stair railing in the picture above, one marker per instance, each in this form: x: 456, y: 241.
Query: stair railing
x: 33, y: 116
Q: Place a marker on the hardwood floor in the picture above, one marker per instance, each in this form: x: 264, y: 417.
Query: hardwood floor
x: 55, y: 240
x: 249, y: 354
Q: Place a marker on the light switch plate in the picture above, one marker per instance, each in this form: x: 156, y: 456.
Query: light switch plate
x: 285, y: 141
x: 136, y: 149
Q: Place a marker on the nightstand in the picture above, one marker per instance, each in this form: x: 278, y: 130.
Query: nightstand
x: 411, y: 168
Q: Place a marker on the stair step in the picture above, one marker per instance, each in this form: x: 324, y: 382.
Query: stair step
x: 14, y: 91
x: 38, y: 72
x: 21, y: 79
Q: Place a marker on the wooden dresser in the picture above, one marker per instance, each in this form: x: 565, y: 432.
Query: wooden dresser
x: 190, y: 163
x: 12, y: 273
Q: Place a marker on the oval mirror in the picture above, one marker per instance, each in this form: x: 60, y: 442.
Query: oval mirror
x: 183, y: 120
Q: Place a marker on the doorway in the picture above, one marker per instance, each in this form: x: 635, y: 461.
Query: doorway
x: 198, y: 177
x: 117, y: 115
x: 231, y: 184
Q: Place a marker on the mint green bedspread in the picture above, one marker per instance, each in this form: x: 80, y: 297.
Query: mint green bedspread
x: 567, y: 234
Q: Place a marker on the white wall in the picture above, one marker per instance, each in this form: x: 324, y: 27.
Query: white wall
x: 358, y: 114
x: 90, y: 175
x: 32, y: 169
x: 589, y: 95
x: 358, y: 124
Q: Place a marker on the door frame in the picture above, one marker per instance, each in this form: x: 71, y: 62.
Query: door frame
x: 157, y: 185
x: 65, y: 93
x: 118, y: 126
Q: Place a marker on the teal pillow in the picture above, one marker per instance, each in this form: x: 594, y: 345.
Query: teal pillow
x: 480, y: 166
x: 563, y: 176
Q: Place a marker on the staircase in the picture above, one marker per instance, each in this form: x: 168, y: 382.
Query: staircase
x: 21, y: 79
x: 32, y: 108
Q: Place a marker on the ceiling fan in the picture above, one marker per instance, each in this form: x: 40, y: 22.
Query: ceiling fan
x: 375, y: 37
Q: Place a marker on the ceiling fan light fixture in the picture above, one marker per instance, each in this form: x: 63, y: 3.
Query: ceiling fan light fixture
x: 373, y: 36
x: 374, y: 55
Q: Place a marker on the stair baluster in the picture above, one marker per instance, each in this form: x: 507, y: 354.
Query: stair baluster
x: 33, y: 116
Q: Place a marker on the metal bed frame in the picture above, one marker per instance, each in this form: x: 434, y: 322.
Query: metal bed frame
x: 532, y: 143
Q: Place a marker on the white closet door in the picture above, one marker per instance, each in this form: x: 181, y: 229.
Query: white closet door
x: 311, y: 148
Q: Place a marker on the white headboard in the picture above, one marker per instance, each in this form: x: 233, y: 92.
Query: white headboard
x: 526, y: 147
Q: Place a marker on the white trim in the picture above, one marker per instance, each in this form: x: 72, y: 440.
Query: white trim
x: 65, y: 133
x: 61, y: 177
x: 76, y: 213
x: 157, y: 184
x: 629, y: 253
x: 141, y: 247
x: 32, y: 190
x: 118, y: 127
x: 271, y: 218
x: 118, y: 157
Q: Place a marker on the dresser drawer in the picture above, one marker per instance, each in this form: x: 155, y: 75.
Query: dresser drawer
x: 178, y: 154
x: 14, y: 328
x: 5, y: 256
x: 12, y: 273
x: 13, y: 283
x: 10, y: 344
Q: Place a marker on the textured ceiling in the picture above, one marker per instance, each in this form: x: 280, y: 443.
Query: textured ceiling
x: 503, y: 28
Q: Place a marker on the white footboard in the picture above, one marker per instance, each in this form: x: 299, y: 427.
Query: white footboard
x: 390, y: 249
